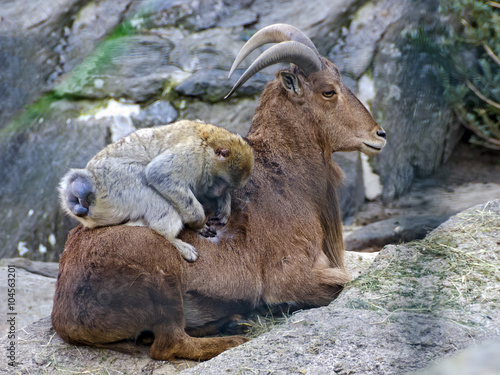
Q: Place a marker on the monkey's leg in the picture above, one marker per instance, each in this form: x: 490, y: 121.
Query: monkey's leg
x: 171, y: 175
x: 164, y: 219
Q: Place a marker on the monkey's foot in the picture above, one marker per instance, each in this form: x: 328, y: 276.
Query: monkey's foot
x: 187, y: 251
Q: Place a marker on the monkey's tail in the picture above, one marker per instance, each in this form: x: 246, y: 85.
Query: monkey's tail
x: 76, y: 191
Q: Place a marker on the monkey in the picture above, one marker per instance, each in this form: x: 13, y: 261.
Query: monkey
x: 163, y: 178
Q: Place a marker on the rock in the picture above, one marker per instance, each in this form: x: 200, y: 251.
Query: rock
x: 92, y: 23
x: 417, y: 302
x: 132, y: 67
x: 38, y: 349
x: 319, y: 19
x: 352, y: 191
x: 208, y: 49
x: 392, y: 231
x: 159, y: 113
x: 34, y: 163
x: 42, y: 39
x: 212, y: 85
x: 32, y: 299
x: 476, y: 360
x: 357, y: 263
x: 47, y: 269
x: 421, y: 129
x: 42, y: 16
x: 354, y: 50
x: 170, y: 58
x: 235, y: 116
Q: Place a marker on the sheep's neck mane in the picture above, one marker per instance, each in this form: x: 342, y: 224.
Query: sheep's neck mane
x: 290, y: 136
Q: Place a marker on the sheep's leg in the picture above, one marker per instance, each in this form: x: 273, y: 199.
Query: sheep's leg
x: 327, y: 285
x: 178, y: 344
x: 171, y: 340
x: 234, y: 325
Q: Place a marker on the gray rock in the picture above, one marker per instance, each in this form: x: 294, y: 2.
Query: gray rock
x: 392, y: 231
x: 38, y: 349
x: 21, y: 80
x: 159, y: 113
x: 208, y: 49
x: 318, y: 19
x: 233, y: 115
x: 32, y: 299
x: 354, y: 50
x: 92, y: 23
x: 162, y: 46
x: 41, y: 40
x: 47, y: 269
x: 416, y: 303
x: 132, y: 67
x: 32, y: 164
x: 421, y: 129
x: 352, y: 191
x: 477, y: 360
x: 212, y: 85
x: 41, y: 17
x: 28, y: 34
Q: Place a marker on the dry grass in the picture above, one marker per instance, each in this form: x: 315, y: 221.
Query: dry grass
x: 455, y: 267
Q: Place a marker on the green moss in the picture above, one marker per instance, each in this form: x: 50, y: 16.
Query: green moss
x: 32, y: 115
x: 123, y: 29
x: 168, y: 91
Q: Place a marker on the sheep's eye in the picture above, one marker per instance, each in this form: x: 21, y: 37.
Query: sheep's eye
x: 329, y: 94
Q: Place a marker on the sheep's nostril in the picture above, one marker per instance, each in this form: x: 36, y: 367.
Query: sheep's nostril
x: 381, y: 133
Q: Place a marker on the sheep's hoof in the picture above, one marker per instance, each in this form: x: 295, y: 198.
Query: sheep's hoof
x: 237, y: 327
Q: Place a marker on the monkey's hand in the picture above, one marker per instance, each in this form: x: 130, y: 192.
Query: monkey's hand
x: 207, y: 231
x: 223, y: 210
x: 220, y: 218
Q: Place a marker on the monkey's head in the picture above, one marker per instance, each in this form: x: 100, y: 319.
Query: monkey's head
x: 233, y: 164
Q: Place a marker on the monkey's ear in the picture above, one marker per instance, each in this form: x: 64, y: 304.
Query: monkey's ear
x: 222, y: 153
x: 290, y: 82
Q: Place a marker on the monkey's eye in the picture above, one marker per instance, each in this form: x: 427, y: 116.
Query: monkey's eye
x: 329, y: 94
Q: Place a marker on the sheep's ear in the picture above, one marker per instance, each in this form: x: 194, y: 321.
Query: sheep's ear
x: 291, y: 82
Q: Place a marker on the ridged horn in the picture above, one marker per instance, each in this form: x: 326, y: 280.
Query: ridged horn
x: 276, y: 33
x: 294, y: 52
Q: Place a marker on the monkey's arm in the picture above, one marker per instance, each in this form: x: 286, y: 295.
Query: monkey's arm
x: 172, y: 174
x: 223, y: 208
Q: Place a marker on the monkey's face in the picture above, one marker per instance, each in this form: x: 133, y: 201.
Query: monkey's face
x: 218, y: 188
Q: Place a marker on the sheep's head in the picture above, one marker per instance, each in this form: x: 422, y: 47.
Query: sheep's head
x: 343, y: 120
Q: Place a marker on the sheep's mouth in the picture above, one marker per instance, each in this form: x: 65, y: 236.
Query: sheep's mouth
x: 377, y: 148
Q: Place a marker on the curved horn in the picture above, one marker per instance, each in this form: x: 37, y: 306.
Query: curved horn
x: 295, y: 52
x: 280, y: 32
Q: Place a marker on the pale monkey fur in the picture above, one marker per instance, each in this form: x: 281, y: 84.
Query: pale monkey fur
x: 158, y: 177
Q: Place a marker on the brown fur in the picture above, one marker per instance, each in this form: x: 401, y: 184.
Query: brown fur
x: 282, y: 244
